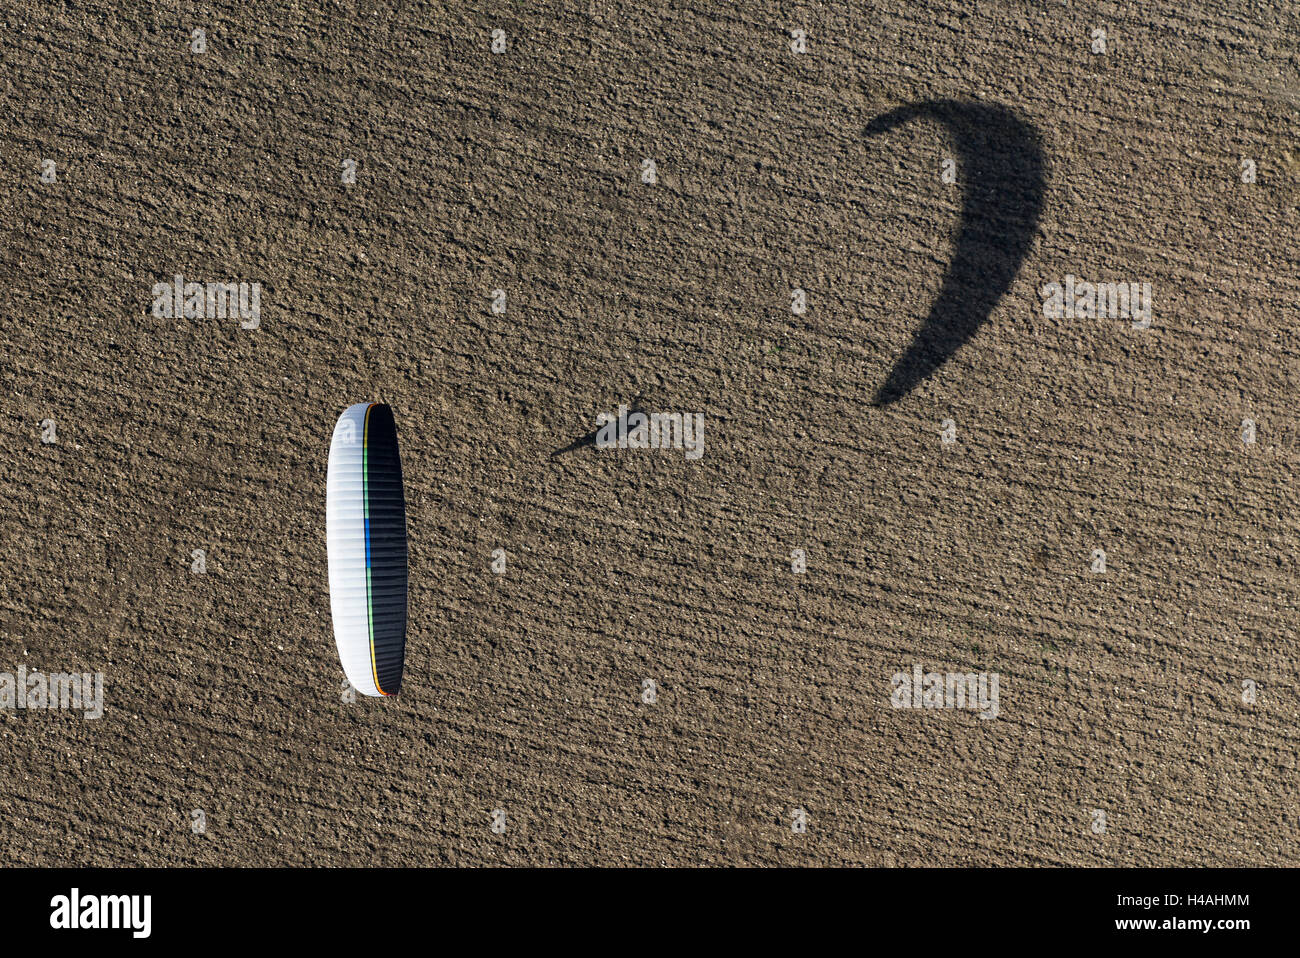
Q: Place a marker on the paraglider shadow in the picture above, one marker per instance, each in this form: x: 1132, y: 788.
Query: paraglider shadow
x: 1001, y: 171
x: 1002, y: 174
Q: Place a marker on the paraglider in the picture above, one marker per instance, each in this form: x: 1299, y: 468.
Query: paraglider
x: 365, y: 529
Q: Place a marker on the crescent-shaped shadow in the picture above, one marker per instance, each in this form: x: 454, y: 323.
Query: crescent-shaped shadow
x: 1001, y: 169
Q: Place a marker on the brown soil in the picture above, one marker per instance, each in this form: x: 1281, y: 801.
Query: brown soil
x: 1120, y: 692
